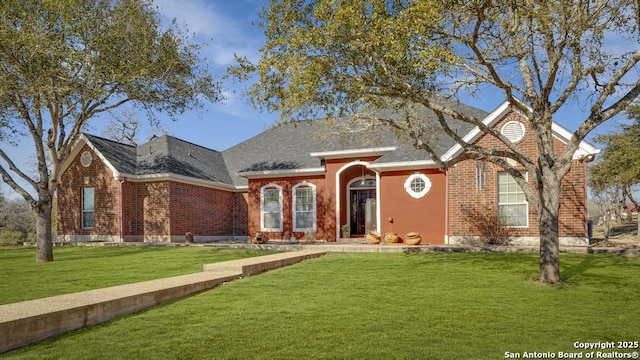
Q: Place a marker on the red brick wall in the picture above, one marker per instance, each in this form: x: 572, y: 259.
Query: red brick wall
x: 462, y: 190
x: 241, y: 214
x: 107, y: 198
x: 200, y: 210
x: 169, y: 208
x: 152, y: 211
x: 323, y: 220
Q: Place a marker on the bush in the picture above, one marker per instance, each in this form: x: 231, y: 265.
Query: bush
x: 485, y: 223
x: 11, y: 237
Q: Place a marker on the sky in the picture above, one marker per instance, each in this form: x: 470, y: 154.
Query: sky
x: 222, y: 27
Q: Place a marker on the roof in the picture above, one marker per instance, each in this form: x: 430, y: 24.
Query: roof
x: 291, y: 146
x: 164, y: 155
x: 294, y: 148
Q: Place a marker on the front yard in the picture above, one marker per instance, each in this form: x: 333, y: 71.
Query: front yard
x: 77, y: 269
x: 375, y: 306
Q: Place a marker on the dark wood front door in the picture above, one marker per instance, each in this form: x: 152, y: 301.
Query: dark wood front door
x: 363, y: 211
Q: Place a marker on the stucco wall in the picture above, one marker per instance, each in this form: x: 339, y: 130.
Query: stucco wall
x: 401, y: 213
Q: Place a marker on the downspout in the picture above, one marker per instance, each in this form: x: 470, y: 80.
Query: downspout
x: 233, y: 215
x: 446, y: 205
x: 122, y: 209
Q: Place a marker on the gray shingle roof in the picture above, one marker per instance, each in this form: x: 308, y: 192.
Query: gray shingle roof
x: 283, y: 147
x: 121, y: 156
x: 164, y: 155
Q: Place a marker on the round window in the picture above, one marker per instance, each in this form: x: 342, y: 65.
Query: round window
x: 417, y: 185
x: 85, y: 159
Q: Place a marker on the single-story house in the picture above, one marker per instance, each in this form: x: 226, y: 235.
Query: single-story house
x: 289, y: 184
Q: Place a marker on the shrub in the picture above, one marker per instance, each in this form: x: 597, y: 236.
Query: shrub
x: 484, y: 222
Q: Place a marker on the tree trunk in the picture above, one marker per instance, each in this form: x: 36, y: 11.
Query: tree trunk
x: 549, y: 236
x: 44, y: 243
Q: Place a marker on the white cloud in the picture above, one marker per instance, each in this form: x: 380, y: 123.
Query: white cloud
x: 223, y: 32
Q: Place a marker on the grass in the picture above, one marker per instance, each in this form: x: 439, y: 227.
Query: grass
x: 379, y: 306
x: 77, y: 269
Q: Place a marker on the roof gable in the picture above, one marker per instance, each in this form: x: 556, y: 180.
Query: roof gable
x: 585, y: 149
x: 164, y: 157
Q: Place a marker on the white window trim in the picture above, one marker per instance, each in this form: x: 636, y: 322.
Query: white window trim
x: 411, y: 192
x: 526, y: 203
x: 293, y: 205
x: 83, y: 211
x: 262, y: 189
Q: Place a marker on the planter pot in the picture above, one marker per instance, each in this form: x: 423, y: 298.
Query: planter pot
x: 373, y: 237
x: 346, y: 235
x: 391, y: 238
x: 260, y: 238
x: 412, y: 238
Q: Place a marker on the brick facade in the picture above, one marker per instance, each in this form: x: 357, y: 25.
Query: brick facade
x: 163, y: 206
x: 463, y: 191
x: 152, y: 210
x: 324, y: 225
x: 107, y: 200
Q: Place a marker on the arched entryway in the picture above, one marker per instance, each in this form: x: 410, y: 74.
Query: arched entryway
x: 362, y: 214
x: 357, y: 198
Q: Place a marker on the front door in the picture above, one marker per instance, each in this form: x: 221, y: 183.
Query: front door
x: 363, y: 213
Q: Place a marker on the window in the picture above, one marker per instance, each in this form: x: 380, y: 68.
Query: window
x: 481, y: 175
x: 417, y: 185
x: 304, y: 207
x: 85, y: 159
x: 513, y: 208
x: 88, y: 207
x: 271, y: 208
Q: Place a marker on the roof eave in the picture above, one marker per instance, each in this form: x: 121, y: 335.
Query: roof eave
x: 282, y: 173
x: 75, y: 150
x: 353, y: 153
x: 181, y: 179
x: 404, y: 165
x: 585, y: 150
x: 475, y: 133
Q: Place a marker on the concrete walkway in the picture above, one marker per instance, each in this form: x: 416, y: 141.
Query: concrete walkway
x: 31, y: 321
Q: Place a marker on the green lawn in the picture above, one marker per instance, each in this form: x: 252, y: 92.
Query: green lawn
x: 84, y: 268
x: 379, y: 306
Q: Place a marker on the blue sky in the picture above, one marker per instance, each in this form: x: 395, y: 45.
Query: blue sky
x: 225, y: 27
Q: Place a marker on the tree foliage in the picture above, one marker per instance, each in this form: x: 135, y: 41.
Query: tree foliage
x: 64, y: 62
x: 619, y: 164
x: 340, y: 56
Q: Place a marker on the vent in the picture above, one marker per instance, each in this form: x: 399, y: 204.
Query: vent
x: 513, y: 130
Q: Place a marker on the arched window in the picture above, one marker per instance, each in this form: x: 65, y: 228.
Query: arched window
x: 271, y: 208
x: 304, y: 206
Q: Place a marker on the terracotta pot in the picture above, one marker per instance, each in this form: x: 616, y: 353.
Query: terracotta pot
x: 391, y: 238
x: 412, y: 238
x: 373, y: 237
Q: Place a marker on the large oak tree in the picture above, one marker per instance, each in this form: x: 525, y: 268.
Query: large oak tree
x: 544, y: 56
x: 63, y: 62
